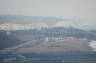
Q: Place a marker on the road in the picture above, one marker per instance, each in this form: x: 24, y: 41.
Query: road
x: 17, y: 47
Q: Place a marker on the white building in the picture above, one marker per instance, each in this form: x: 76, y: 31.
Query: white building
x: 13, y: 26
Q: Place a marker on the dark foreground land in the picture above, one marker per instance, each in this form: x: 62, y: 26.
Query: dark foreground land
x: 64, y: 57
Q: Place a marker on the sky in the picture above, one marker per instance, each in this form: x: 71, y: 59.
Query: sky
x: 68, y: 8
x: 85, y: 10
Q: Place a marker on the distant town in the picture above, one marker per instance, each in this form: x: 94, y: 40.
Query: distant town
x: 42, y: 42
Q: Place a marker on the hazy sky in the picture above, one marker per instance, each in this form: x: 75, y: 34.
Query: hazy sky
x: 68, y: 8
x: 84, y: 10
